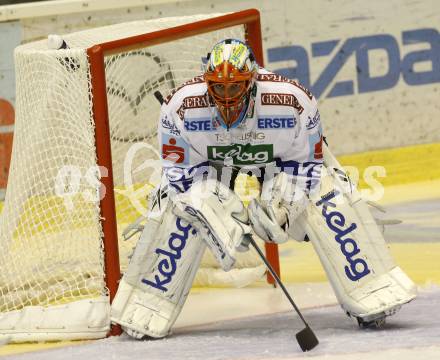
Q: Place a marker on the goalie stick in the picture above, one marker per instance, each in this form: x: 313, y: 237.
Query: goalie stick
x: 306, y: 338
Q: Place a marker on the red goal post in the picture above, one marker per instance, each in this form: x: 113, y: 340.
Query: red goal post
x: 84, y: 161
x: 251, y: 20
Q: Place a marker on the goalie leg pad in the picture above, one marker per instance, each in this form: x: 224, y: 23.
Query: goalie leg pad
x: 364, y: 276
x: 159, y: 277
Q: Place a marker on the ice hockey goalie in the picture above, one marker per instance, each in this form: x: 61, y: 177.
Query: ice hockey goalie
x: 237, y: 117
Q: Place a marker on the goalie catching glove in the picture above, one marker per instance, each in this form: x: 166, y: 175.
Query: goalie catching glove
x: 281, y: 203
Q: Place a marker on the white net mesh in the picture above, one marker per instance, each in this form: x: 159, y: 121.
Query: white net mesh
x: 49, y: 229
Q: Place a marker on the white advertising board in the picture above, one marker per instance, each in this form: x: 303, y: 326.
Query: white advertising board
x: 374, y: 66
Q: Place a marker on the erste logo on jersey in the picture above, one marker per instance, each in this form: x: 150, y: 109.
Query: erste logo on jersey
x: 242, y: 154
x: 175, y: 149
x: 276, y: 122
x: 201, y: 124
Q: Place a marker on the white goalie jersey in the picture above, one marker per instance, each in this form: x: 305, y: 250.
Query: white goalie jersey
x: 281, y: 126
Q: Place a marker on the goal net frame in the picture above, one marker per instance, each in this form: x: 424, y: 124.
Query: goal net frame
x: 14, y: 321
x: 249, y: 18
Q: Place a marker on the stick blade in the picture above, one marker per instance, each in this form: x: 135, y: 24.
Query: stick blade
x: 307, y: 339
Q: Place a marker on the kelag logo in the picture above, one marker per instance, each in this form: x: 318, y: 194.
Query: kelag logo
x: 420, y: 46
x: 336, y: 222
x: 242, y: 154
x: 167, y: 266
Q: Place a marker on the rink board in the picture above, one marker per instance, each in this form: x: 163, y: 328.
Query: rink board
x: 372, y: 65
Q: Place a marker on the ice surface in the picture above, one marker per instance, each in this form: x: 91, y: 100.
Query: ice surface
x: 414, y: 333
x: 421, y: 221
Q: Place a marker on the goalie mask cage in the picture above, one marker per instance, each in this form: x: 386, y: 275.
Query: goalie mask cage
x: 83, y: 114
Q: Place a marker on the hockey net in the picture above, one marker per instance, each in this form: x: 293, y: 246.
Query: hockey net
x: 56, y: 257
